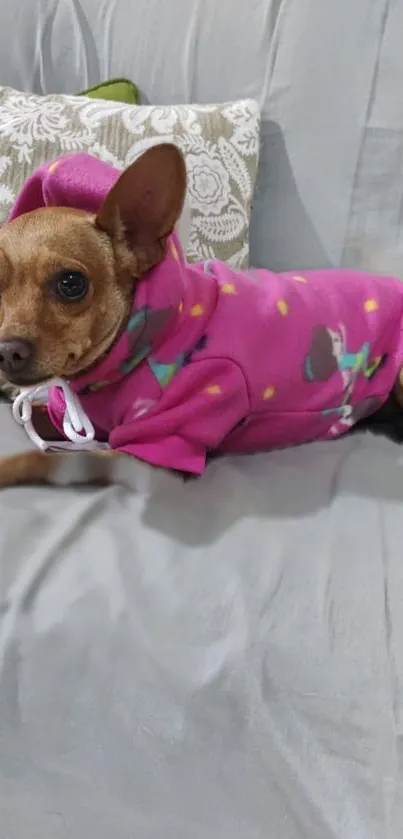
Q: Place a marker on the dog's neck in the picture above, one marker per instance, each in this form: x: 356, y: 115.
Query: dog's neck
x: 155, y: 307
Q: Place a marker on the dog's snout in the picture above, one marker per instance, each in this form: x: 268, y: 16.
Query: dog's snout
x: 15, y: 356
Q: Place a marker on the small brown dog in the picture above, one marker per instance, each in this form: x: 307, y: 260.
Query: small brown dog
x: 68, y: 279
x: 47, y: 329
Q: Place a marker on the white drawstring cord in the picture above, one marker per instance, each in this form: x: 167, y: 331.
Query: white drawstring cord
x: 77, y: 427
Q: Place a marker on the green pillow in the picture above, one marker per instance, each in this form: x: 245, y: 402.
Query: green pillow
x: 120, y: 90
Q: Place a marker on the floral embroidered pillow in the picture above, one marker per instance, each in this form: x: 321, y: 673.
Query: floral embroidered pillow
x: 220, y: 144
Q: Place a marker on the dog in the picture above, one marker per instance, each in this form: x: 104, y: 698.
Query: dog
x: 175, y: 363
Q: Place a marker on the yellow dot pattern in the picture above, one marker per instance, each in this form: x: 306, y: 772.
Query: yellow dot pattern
x: 371, y: 305
x: 282, y: 307
x: 299, y: 279
x: 53, y: 167
x: 269, y: 392
x: 174, y: 252
x: 228, y: 288
x: 196, y: 311
x: 213, y: 390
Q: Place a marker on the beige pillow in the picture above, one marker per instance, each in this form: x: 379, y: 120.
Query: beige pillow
x: 220, y: 144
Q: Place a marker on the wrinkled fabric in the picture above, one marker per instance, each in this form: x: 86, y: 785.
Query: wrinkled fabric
x: 206, y: 658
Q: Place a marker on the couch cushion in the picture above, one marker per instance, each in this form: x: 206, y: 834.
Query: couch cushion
x: 220, y: 144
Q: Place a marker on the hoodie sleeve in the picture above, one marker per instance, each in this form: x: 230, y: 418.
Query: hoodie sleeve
x: 201, y: 406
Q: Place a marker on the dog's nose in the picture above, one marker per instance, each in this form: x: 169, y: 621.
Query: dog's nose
x: 15, y: 356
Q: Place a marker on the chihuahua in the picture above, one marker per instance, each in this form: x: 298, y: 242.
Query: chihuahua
x: 170, y: 362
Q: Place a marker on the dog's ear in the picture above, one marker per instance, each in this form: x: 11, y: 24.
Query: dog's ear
x: 146, y: 201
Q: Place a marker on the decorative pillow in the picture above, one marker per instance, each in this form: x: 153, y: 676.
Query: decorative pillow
x: 119, y: 90
x: 220, y: 144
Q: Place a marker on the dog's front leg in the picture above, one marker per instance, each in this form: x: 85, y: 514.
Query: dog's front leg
x: 57, y: 468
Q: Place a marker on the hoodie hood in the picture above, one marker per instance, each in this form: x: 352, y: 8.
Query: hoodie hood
x: 77, y: 180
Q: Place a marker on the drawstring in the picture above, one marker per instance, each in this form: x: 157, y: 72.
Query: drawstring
x: 77, y: 427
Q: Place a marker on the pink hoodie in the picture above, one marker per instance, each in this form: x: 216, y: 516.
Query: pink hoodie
x: 215, y: 360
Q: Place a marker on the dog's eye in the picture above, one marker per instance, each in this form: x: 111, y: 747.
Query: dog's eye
x: 70, y: 286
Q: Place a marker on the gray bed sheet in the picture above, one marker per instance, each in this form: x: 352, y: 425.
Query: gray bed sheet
x: 215, y: 659
x: 222, y: 658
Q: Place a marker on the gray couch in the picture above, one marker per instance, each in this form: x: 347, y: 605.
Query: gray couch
x: 221, y: 659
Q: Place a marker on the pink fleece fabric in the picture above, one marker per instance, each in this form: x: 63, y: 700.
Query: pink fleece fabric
x: 217, y: 360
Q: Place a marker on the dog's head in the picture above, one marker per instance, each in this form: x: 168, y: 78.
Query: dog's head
x: 67, y: 276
